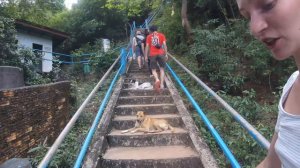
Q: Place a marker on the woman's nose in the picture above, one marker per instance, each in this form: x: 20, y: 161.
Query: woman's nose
x: 257, y: 25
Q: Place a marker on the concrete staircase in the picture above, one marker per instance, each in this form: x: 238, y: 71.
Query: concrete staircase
x: 181, y: 149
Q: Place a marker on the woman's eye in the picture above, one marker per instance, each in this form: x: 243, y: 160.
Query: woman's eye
x: 268, y: 6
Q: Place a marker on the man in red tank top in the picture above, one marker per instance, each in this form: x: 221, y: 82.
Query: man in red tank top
x: 156, y: 42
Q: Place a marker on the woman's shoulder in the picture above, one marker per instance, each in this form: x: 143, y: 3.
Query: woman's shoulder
x: 290, y: 81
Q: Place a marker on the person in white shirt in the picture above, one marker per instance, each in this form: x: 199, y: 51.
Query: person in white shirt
x: 138, y: 47
x: 276, y: 23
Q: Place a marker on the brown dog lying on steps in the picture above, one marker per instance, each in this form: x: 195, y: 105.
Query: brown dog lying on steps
x: 149, y: 125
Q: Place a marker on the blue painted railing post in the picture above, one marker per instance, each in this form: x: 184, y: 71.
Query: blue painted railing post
x: 147, y: 26
x: 123, y: 61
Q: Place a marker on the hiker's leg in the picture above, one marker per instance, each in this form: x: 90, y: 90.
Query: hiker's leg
x: 128, y: 64
x: 153, y: 66
x: 140, y: 62
x: 149, y: 68
x: 162, y: 77
x: 162, y: 63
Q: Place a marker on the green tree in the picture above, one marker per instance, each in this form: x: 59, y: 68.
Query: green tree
x: 130, y: 7
x: 8, y: 49
x: 36, y: 11
x: 89, y: 21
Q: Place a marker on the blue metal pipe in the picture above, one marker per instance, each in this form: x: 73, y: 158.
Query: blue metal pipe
x: 156, y: 12
x: 64, y: 62
x: 96, y: 122
x: 66, y: 55
x: 148, y: 20
x: 211, y: 128
x: 147, y: 26
x: 251, y: 130
x: 123, y: 61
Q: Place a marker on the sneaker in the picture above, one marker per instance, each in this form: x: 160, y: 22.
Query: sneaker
x: 157, y: 86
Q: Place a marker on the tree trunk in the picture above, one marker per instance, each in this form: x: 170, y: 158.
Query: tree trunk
x: 185, y: 22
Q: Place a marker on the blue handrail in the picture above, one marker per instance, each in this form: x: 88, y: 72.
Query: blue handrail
x: 71, y: 56
x: 93, y: 128
x: 51, y: 152
x: 96, y: 122
x: 251, y: 130
x: 213, y: 131
x: 44, y: 163
x: 150, y: 18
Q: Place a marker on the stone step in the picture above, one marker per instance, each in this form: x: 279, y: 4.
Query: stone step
x: 165, y: 149
x: 140, y: 74
x: 134, y: 71
x: 145, y: 72
x: 137, y: 75
x: 146, y: 157
x: 138, y: 139
x: 136, y: 92
x: 131, y: 86
x: 145, y: 99
x: 149, y: 108
x: 140, y: 79
x: 126, y: 122
x: 137, y: 70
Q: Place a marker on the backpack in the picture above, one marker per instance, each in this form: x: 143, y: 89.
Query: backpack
x: 139, y: 40
x: 155, y: 41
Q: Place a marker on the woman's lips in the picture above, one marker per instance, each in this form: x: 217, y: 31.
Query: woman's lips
x: 270, y: 42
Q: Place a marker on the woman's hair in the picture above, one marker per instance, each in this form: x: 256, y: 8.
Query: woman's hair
x: 138, y: 30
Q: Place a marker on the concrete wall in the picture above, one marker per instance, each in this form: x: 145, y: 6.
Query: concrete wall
x: 26, y: 40
x: 30, y: 114
x: 11, y: 77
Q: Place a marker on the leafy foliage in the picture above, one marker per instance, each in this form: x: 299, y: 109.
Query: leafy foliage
x: 99, y: 61
x: 132, y: 8
x: 89, y: 21
x: 8, y: 49
x: 36, y: 11
x: 172, y: 29
x: 230, y: 57
x: 213, y: 48
x: 247, y: 151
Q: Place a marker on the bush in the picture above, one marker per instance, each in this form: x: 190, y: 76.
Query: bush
x: 8, y: 41
x: 99, y: 61
x: 220, y: 63
x: 171, y: 26
x: 229, y: 56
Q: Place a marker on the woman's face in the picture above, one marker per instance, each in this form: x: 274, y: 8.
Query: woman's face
x: 276, y: 23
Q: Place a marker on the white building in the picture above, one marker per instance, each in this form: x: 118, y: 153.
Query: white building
x: 39, y: 37
x: 106, y: 44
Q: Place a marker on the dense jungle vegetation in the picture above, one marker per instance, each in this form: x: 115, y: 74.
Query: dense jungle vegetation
x: 208, y: 36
